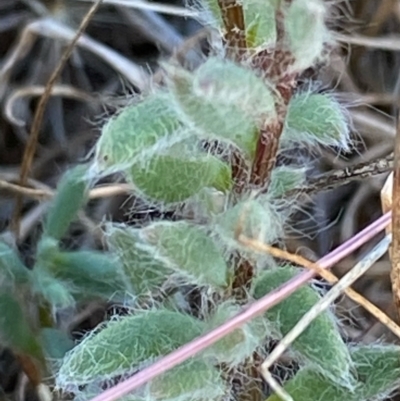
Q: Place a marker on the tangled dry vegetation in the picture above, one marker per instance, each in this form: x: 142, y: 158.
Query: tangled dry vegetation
x: 118, y: 55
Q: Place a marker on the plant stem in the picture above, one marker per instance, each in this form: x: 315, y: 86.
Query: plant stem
x: 275, y: 65
x: 233, y: 18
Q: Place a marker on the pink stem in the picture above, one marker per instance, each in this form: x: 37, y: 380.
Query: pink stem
x: 256, y: 308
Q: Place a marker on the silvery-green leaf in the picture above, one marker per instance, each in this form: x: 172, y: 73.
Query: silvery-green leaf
x: 306, y: 31
x: 260, y: 22
x: 220, y: 109
x: 125, y: 344
x: 189, y: 251
x: 316, y: 119
x: 241, y: 343
x: 143, y: 271
x: 378, y: 372
x: 284, y: 179
x: 138, y: 131
x: 192, y: 380
x: 321, y: 342
x: 250, y: 218
x: 179, y: 173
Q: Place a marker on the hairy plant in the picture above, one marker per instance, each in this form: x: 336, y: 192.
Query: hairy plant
x: 204, y: 147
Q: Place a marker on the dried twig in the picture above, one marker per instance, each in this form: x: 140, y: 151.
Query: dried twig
x: 358, y: 270
x: 395, y: 254
x: 337, y: 178
x: 40, y: 110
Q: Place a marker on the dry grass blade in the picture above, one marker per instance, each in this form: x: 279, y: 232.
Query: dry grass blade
x: 153, y: 6
x: 34, y: 90
x: 39, y: 113
x: 395, y: 254
x: 358, y: 270
x: 44, y: 193
x: 325, y: 274
x: 383, y: 43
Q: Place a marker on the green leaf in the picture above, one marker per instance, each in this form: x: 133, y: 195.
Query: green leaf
x: 189, y: 251
x: 260, y: 22
x: 220, y: 109
x: 321, y: 342
x: 137, y: 132
x: 55, y: 342
x: 143, y: 272
x: 378, y: 368
x: 192, y: 380
x: 252, y: 219
x: 54, y: 291
x: 284, y: 179
x: 316, y: 119
x: 89, y: 273
x: 378, y: 372
x: 12, y: 270
x: 71, y: 196
x: 125, y: 344
x: 241, y: 343
x: 15, y: 329
x: 213, y: 7
x: 178, y: 174
x: 306, y: 31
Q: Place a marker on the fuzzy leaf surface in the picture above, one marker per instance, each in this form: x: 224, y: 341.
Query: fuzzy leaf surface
x: 89, y: 273
x: 306, y: 31
x: 378, y: 372
x: 138, y: 129
x: 219, y: 112
x: 260, y: 23
x: 124, y: 344
x: 71, y: 196
x: 321, y: 342
x: 189, y: 251
x: 255, y: 219
x: 12, y: 270
x: 179, y: 174
x: 53, y: 290
x: 241, y: 343
x: 213, y: 8
x: 192, y: 380
x: 284, y: 179
x: 316, y: 119
x: 142, y: 270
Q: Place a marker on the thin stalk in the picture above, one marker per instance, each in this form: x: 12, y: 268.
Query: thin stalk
x: 395, y: 252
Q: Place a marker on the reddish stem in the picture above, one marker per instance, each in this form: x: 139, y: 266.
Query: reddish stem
x: 233, y: 18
